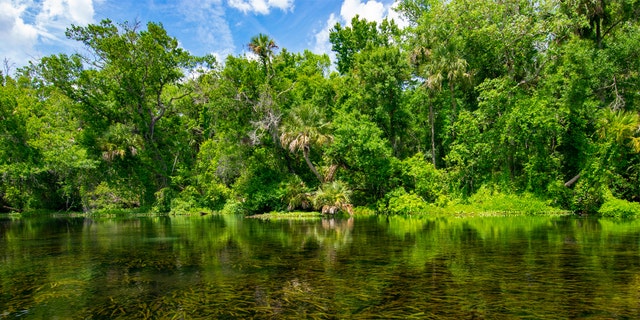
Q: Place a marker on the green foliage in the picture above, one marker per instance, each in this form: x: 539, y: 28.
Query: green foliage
x: 106, y: 197
x: 187, y: 201
x: 399, y: 201
x: 423, y: 178
x: 303, y: 128
x: 588, y: 195
x: 233, y: 207
x: 256, y: 187
x: 295, y: 194
x: 358, y: 145
x: 361, y: 35
x: 520, y: 96
x: 618, y: 208
x: 490, y: 199
x: 333, y: 194
x: 164, y: 198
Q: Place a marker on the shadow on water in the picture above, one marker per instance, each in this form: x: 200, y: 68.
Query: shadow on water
x: 376, y: 267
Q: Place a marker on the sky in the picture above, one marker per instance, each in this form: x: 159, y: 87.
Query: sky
x: 32, y: 29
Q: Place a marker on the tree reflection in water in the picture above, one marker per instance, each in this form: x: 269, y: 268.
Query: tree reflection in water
x: 358, y: 267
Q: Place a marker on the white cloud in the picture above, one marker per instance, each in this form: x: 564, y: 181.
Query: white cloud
x: 322, y: 44
x: 81, y: 11
x: 55, y: 16
x: 17, y: 36
x: 395, y: 16
x: 370, y: 10
x: 26, y: 24
x: 261, y: 6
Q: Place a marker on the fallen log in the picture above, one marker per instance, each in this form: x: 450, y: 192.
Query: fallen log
x: 572, y: 181
x: 11, y: 208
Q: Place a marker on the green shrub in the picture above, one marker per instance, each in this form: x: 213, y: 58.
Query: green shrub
x: 489, y: 199
x: 106, y: 197
x: 588, y: 195
x: 399, y: 201
x: 186, y: 201
x: 333, y: 194
x: 258, y: 184
x: 233, y: 207
x: 423, y: 178
x: 295, y: 194
x: 618, y: 208
x: 163, y: 200
x: 214, y: 196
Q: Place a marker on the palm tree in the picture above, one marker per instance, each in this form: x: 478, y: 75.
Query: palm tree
x: 456, y: 70
x: 620, y: 127
x: 422, y: 59
x: 119, y: 140
x: 615, y: 129
x: 263, y: 46
x: 305, y: 127
x: 332, y: 197
x: 435, y: 66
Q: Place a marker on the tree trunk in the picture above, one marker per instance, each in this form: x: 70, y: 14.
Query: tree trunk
x: 454, y: 107
x: 332, y: 173
x: 433, y: 138
x: 572, y: 181
x: 11, y: 208
x: 453, y: 100
x: 305, y: 154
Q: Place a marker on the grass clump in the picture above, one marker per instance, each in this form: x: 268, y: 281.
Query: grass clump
x: 489, y: 201
x: 618, y: 208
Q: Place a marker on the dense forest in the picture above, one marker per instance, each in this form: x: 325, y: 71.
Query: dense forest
x: 535, y: 99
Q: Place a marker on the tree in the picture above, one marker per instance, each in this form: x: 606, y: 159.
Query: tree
x: 303, y: 128
x: 262, y: 45
x: 131, y: 80
x: 435, y: 53
x: 359, y: 148
x: 17, y: 158
x: 346, y: 42
x: 381, y: 74
x: 595, y: 19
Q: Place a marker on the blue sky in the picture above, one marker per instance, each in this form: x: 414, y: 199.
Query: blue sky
x: 31, y: 29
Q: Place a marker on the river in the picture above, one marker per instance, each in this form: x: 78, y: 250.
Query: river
x: 372, y: 267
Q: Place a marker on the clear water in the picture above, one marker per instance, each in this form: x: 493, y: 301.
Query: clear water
x: 228, y: 267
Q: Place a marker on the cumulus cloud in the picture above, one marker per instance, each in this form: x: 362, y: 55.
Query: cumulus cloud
x: 322, y: 44
x: 18, y: 37
x: 370, y: 10
x: 56, y: 15
x: 261, y: 6
x: 322, y: 37
x: 25, y: 24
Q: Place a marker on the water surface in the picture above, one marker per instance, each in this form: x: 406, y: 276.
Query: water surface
x: 227, y: 267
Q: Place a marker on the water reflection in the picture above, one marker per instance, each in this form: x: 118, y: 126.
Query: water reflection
x: 360, y: 267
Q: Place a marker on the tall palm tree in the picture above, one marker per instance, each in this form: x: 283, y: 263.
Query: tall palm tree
x: 422, y: 59
x: 435, y: 65
x: 456, y: 70
x: 305, y: 127
x: 263, y: 46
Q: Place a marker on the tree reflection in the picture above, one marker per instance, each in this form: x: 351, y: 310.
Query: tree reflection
x: 360, y: 267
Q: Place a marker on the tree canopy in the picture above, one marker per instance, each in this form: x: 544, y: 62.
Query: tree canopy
x: 537, y: 98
